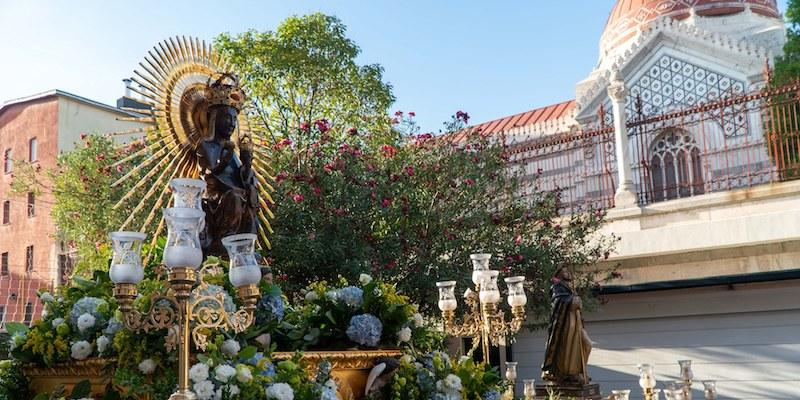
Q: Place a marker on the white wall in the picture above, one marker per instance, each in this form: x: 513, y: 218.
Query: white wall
x: 746, y: 338
x: 76, y: 117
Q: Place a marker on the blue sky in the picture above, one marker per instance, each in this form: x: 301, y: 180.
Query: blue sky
x: 490, y: 59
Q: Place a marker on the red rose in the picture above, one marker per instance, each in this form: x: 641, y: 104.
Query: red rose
x: 352, y: 131
x: 317, y: 190
x: 305, y: 126
x: 388, y: 150
x: 386, y: 202
x: 412, y: 114
x: 322, y: 125
x: 469, y: 182
x: 409, y: 170
x: 298, y: 198
x: 398, y: 113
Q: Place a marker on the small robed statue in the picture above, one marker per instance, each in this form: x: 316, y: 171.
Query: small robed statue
x: 568, y: 344
x: 231, y: 200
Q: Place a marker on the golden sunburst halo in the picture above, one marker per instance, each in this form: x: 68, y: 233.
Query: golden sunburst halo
x: 171, y: 83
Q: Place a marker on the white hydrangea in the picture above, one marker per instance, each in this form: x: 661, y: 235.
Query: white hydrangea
x: 81, y: 350
x: 280, y: 391
x: 198, y: 372
x: 364, y: 279
x: 85, y: 322
x: 453, y: 382
x: 224, y: 373
x: 418, y: 320
x: 46, y: 297
x: 147, y: 366
x: 231, y: 348
x: 56, y: 322
x: 331, y: 384
x: 311, y: 296
x: 243, y: 373
x: 102, y: 344
x: 404, y: 335
x: 204, y: 390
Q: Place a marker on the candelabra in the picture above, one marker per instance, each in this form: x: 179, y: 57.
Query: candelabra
x: 511, y: 377
x: 184, y: 310
x: 686, y: 376
x: 483, y: 321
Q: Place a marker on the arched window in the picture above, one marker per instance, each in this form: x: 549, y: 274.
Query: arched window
x: 675, y: 166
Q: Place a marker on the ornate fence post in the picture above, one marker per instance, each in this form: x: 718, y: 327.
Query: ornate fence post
x: 626, y: 192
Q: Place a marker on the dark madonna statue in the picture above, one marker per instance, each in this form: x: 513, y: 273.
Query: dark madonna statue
x: 231, y: 200
x: 568, y: 345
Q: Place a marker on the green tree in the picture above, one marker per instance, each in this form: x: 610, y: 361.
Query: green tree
x: 787, y: 67
x: 81, y: 184
x: 306, y: 70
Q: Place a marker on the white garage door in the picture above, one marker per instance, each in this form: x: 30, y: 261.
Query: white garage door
x: 746, y: 337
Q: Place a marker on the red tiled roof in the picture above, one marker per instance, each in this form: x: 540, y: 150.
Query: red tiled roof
x: 531, y: 117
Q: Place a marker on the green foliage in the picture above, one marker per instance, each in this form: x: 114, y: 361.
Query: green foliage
x: 13, y: 384
x: 306, y: 70
x: 787, y: 67
x: 410, y: 208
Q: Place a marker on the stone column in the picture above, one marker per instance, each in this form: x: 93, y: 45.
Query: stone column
x: 626, y: 193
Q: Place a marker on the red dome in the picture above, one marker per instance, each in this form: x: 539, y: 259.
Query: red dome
x: 630, y: 15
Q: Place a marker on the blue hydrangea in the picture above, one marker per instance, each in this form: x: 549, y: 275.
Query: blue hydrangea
x: 352, y: 296
x: 114, y: 326
x: 324, y: 371
x: 491, y: 395
x: 89, y: 305
x: 255, y: 359
x: 268, y: 370
x: 365, y: 329
x: 212, y: 290
x: 270, y: 307
x: 328, y: 394
x: 427, y: 359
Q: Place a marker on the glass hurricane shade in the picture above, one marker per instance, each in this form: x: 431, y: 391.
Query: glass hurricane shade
x: 621, y: 394
x: 511, y: 370
x: 244, y: 268
x: 490, y: 293
x: 480, y: 264
x: 516, y: 291
x: 529, y: 387
x: 126, y: 264
x: 187, y: 193
x: 183, y: 237
x: 447, y: 296
x: 647, y: 379
x: 686, y: 370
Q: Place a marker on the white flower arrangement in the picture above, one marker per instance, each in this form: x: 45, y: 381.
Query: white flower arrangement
x: 418, y: 320
x: 85, y: 322
x: 243, y: 374
x: 204, y: 390
x: 224, y: 373
x: 198, y: 372
x: 102, y: 344
x: 280, y: 391
x: 81, y: 350
x: 364, y: 279
x: 233, y: 390
x: 231, y: 348
x: 147, y: 366
x: 404, y: 335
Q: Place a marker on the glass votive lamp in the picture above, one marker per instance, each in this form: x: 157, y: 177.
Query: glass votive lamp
x: 529, y: 388
x: 710, y: 390
x: 686, y: 370
x: 511, y: 370
x: 447, y: 296
x: 480, y: 264
x: 187, y: 192
x: 126, y: 264
x: 244, y: 269
x: 490, y: 293
x: 516, y: 291
x: 621, y: 394
x: 647, y: 379
x: 183, y: 237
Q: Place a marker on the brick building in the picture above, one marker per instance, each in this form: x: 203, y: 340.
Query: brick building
x: 36, y: 129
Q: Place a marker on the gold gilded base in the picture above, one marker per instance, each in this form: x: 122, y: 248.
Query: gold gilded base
x: 47, y: 379
x: 182, y: 280
x: 184, y: 395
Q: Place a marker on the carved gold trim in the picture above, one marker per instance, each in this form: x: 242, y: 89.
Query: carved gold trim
x: 346, y: 359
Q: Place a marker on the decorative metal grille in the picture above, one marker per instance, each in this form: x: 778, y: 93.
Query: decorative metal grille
x: 672, y: 84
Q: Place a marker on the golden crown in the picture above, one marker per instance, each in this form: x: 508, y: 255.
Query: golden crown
x: 225, y: 91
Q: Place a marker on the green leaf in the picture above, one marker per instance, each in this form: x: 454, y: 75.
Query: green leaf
x: 202, y: 358
x: 81, y: 390
x: 16, y: 327
x: 247, y: 353
x: 329, y: 314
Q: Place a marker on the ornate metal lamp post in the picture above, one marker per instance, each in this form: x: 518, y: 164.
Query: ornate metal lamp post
x: 483, y: 321
x: 183, y: 255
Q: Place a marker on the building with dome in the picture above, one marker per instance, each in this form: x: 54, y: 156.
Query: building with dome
x: 676, y: 133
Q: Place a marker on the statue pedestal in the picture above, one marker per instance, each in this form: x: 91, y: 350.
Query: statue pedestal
x: 570, y: 391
